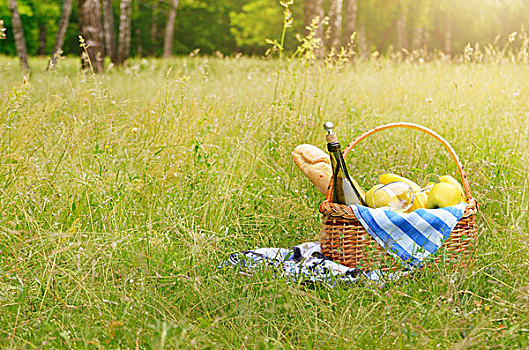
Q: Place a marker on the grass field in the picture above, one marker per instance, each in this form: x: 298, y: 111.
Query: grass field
x: 121, y: 194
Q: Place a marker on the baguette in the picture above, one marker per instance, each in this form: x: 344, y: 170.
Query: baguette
x: 315, y: 164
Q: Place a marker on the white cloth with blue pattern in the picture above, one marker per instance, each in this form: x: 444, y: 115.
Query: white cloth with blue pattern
x: 305, y: 263
x: 414, y: 236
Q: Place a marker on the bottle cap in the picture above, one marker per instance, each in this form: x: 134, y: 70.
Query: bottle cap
x: 328, y: 126
x: 331, y: 136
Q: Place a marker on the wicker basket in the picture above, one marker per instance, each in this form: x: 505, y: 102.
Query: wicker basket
x: 344, y: 239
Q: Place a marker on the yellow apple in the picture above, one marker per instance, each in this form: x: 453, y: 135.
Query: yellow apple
x: 381, y: 199
x: 443, y: 195
x: 450, y: 180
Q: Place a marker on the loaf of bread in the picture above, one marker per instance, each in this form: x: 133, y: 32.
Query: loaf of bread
x: 315, y: 164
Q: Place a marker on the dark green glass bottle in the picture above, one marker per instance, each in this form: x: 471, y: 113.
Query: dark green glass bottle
x: 345, y: 191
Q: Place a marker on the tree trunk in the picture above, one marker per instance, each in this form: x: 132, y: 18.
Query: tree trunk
x: 314, y: 9
x: 42, y: 40
x: 351, y: 9
x: 139, y: 48
x: 124, y: 31
x: 91, y: 28
x: 61, y: 32
x: 18, y: 33
x: 169, y: 30
x: 335, y: 24
x: 154, y: 27
x: 417, y: 40
x: 363, y: 45
x: 110, y: 33
x: 447, y: 37
x: 402, y: 40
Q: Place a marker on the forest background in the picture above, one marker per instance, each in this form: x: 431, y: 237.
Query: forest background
x: 242, y: 26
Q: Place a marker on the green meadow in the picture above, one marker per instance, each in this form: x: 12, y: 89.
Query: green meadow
x: 120, y: 195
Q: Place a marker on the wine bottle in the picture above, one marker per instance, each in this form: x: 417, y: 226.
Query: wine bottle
x: 345, y: 191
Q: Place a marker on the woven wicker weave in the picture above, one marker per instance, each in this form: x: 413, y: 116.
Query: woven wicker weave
x: 344, y: 239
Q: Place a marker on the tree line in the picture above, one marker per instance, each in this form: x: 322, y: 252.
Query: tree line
x: 94, y: 29
x: 119, y: 29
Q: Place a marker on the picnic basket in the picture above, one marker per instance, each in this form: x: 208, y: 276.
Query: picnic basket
x: 344, y: 240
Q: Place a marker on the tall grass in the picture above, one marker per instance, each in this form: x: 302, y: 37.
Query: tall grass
x: 120, y: 194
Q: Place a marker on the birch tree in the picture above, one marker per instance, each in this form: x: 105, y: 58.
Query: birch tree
x: 402, y: 37
x: 110, y: 33
x: 169, y: 29
x: 91, y: 30
x: 18, y: 33
x: 124, y: 31
x: 349, y: 23
x: 314, y: 9
x: 154, y: 26
x: 42, y: 39
x: 61, y: 32
x: 335, y: 24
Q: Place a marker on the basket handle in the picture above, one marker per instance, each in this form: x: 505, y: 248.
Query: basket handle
x: 413, y: 126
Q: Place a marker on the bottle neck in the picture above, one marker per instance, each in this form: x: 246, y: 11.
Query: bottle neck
x: 337, y: 159
x: 334, y: 146
x: 332, y: 138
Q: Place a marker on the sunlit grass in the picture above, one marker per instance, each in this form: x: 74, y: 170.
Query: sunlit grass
x: 121, y: 194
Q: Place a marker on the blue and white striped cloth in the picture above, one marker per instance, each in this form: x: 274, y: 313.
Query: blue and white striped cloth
x: 414, y: 236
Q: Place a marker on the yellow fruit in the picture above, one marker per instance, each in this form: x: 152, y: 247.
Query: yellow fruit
x: 449, y: 179
x: 443, y: 195
x: 387, y: 178
x: 380, y: 200
x: 419, y: 201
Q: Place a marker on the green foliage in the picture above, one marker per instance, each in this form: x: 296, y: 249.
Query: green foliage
x: 255, y: 19
x: 205, y: 25
x: 34, y: 14
x: 259, y: 19
x: 230, y: 26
